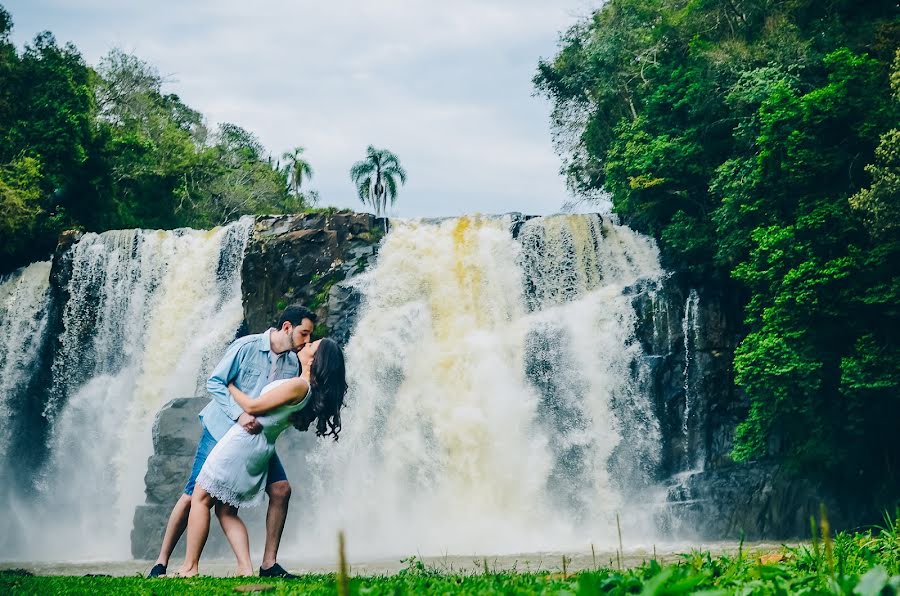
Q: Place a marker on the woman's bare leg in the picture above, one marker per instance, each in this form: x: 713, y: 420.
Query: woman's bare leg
x: 236, y: 532
x: 197, y: 531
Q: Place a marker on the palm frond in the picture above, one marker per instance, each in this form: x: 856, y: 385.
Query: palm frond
x: 391, y: 187
x: 360, y: 169
x: 398, y: 171
x: 363, y: 190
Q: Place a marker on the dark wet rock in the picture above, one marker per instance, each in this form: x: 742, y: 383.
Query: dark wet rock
x: 147, y: 531
x: 517, y: 220
x: 758, y: 500
x: 176, y: 432
x: 299, y: 258
x: 38, y: 391
x: 165, y: 477
x: 709, y: 495
x: 701, y: 377
x: 176, y: 428
x: 344, y: 300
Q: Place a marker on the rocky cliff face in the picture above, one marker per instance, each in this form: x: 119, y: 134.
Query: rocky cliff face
x: 304, y: 258
x: 689, y: 336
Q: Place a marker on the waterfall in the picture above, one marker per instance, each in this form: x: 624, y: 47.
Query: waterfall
x: 690, y: 330
x: 495, y: 401
x: 23, y: 321
x: 498, y: 398
x: 148, y: 314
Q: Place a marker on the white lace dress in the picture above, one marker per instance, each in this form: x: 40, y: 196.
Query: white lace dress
x: 236, y: 469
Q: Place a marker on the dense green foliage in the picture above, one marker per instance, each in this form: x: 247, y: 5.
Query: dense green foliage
x: 759, y: 142
x: 101, y: 148
x: 865, y: 563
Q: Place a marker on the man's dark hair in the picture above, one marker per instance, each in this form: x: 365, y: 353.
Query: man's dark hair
x: 295, y: 313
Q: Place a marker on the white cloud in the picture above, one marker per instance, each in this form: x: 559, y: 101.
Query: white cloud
x: 445, y: 85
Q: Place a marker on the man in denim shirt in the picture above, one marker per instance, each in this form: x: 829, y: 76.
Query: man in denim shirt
x: 251, y: 362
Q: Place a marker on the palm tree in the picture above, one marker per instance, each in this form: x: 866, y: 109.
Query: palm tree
x: 376, y: 178
x: 297, y: 168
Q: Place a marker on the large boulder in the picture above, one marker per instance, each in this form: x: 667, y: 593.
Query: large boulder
x: 176, y: 428
x: 176, y: 431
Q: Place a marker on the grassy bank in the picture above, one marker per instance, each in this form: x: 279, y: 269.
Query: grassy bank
x: 865, y: 563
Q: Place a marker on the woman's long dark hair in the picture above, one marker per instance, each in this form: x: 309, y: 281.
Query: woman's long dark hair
x: 328, y: 384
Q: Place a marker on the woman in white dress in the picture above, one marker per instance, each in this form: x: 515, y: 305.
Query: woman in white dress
x: 234, y: 474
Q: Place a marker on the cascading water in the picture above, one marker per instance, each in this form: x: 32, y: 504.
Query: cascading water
x: 690, y: 330
x: 23, y: 322
x: 147, y: 315
x: 495, y: 401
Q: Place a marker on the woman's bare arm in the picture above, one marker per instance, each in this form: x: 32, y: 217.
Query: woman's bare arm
x: 291, y: 391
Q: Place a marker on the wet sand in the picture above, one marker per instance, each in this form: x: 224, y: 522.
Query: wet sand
x: 523, y: 562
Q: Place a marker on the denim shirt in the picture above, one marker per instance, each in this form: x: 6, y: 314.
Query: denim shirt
x: 246, y: 363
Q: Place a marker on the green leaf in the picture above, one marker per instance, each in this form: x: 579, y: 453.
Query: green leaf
x: 872, y: 582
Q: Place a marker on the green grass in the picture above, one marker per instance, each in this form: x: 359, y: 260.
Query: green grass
x: 864, y: 563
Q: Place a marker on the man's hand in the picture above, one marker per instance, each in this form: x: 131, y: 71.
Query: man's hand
x: 248, y: 421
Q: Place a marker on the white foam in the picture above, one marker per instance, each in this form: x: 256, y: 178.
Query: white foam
x: 148, y: 312
x: 494, y: 404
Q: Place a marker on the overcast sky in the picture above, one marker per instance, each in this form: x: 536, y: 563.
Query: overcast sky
x: 444, y: 85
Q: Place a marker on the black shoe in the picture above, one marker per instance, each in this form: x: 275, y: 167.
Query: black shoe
x: 277, y: 570
x: 158, y: 570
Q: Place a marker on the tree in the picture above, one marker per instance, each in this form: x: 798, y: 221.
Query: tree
x: 376, y: 178
x: 234, y: 178
x: 103, y: 148
x: 297, y: 168
x: 20, y: 195
x: 735, y: 132
x: 47, y: 144
x: 880, y: 203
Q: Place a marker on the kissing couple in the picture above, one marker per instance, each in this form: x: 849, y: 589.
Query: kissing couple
x: 263, y: 384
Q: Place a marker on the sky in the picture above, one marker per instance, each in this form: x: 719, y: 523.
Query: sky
x: 444, y: 85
